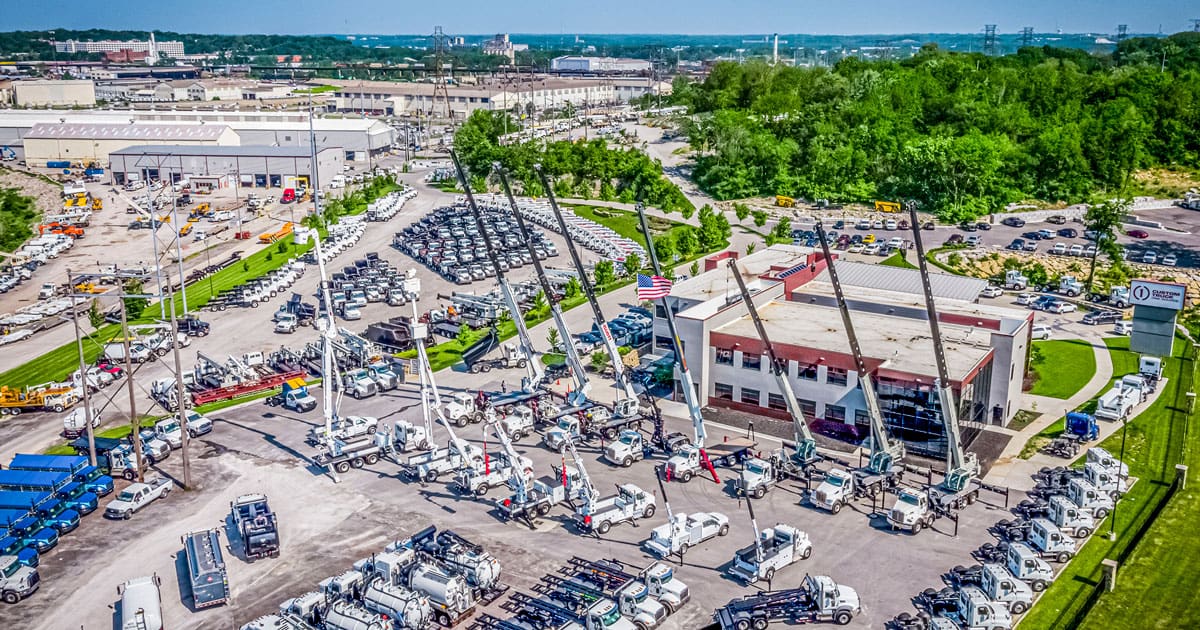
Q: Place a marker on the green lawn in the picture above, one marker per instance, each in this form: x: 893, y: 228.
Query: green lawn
x: 1162, y: 571
x: 625, y: 222
x: 1124, y: 362
x: 319, y: 89
x: 897, y: 260
x: 1062, y: 367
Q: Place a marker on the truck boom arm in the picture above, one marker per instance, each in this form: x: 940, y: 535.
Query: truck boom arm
x: 578, y: 370
x: 961, y: 467
x: 609, y: 343
x: 533, y: 366
x: 806, y: 446
x: 882, y: 447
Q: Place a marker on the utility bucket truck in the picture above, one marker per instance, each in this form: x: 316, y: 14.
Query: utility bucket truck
x: 629, y: 504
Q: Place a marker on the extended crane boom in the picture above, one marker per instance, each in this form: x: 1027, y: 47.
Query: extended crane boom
x: 533, y: 366
x: 579, y: 397
x: 689, y: 389
x: 590, y: 495
x: 806, y: 446
x: 627, y: 406
x: 521, y: 477
x: 884, y: 450
x: 427, y: 377
x: 961, y: 467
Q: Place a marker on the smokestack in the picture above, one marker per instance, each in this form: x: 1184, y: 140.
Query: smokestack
x: 775, y: 53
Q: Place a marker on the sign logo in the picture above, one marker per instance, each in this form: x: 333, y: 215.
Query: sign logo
x: 1158, y: 294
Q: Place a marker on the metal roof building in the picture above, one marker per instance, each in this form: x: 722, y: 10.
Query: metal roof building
x: 249, y: 166
x: 85, y: 143
x: 986, y: 345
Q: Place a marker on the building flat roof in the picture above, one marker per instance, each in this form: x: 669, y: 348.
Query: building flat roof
x: 882, y: 277
x: 220, y: 151
x: 139, y: 131
x: 719, y: 283
x: 901, y: 344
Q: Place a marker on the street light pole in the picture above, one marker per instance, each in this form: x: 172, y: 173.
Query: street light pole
x: 133, y: 419
x: 87, y: 396
x: 1112, y: 524
x: 179, y: 391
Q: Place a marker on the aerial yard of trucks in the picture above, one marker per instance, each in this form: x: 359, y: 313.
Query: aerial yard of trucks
x: 615, y: 468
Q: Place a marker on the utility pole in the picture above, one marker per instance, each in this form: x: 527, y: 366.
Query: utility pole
x: 87, y: 396
x: 133, y: 418
x: 184, y: 436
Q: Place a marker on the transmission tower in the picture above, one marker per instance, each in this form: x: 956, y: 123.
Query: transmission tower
x: 441, y: 50
x: 1027, y: 36
x: 989, y: 39
x: 885, y: 48
x: 1122, y: 31
x: 1195, y: 25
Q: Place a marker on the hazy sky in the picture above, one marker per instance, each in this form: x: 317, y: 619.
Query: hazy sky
x: 603, y: 16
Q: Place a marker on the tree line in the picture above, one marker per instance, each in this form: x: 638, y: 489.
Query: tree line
x: 963, y: 134
x: 580, y: 169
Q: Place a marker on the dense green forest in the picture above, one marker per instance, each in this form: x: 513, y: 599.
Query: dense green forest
x: 577, y: 169
x: 963, y: 134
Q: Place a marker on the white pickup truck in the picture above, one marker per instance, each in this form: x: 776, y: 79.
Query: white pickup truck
x: 685, y: 531
x: 345, y: 429
x: 629, y: 504
x: 136, y: 497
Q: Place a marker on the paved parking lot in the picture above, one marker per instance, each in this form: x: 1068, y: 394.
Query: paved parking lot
x: 326, y: 527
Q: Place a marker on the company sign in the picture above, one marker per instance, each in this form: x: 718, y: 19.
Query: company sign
x: 1158, y: 294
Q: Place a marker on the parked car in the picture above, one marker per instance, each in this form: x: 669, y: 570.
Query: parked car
x: 983, y: 226
x: 1123, y: 328
x: 967, y: 227
x: 1057, y: 219
x: 1040, y: 331
x: 974, y: 240
x: 1018, y: 244
x: 1068, y: 233
x: 992, y: 291
x: 1014, y: 222
x: 1169, y: 260
x: 1060, y: 307
x: 1095, y: 318
x: 1138, y: 233
x: 1150, y: 257
x: 1059, y: 248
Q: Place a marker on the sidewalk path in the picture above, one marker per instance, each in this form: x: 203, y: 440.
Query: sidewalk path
x: 1014, y: 472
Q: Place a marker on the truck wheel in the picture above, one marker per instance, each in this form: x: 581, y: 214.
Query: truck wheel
x: 166, y: 491
x: 481, y: 490
x: 1101, y: 513
x: 724, y: 530
x: 603, y: 527
x: 760, y: 624
x: 10, y: 597
x: 683, y: 548
x: 760, y: 492
x: 129, y: 475
x: 1038, y: 586
x: 474, y: 369
x: 610, y: 433
x: 58, y: 408
x: 423, y: 446
x: 915, y: 528
x: 460, y: 421
x: 648, y: 512
x: 1017, y: 608
x: 804, y: 555
x: 730, y: 461
x: 371, y: 459
x: 443, y: 618
x: 971, y: 498
x: 542, y: 509
x: 836, y: 507
x: 357, y: 462
x: 371, y: 430
x: 342, y: 467
x: 1082, y: 532
x: 431, y: 476
x: 769, y: 574
x: 521, y: 364
x: 357, y: 394
x: 685, y: 476
x: 162, y: 352
x: 842, y: 617
x: 127, y: 514
x: 1063, y: 557
x: 627, y: 462
x: 487, y: 367
x: 742, y: 624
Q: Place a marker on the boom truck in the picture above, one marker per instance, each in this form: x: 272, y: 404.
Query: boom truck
x: 477, y: 481
x: 568, y: 485
x: 883, y: 469
x: 458, y: 453
x: 960, y: 485
x: 759, y: 475
x: 692, y: 457
x: 579, y: 394
x: 533, y: 366
x: 774, y: 548
x: 626, y: 404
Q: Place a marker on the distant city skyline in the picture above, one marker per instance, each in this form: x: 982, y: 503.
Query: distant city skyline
x: 699, y: 17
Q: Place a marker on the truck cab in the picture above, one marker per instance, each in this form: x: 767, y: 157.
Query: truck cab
x: 782, y: 545
x: 911, y: 511
x: 998, y: 584
x: 976, y: 612
x: 1025, y: 564
x: 1069, y: 517
x: 359, y: 384
x: 28, y: 529
x: 629, y: 447
x: 567, y: 429
x: 1047, y: 539
x: 1086, y: 497
x: 385, y: 379
x: 834, y: 491
x: 294, y: 397
x: 25, y: 554
x: 1106, y: 480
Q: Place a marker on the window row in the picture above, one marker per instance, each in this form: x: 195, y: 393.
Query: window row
x: 807, y: 372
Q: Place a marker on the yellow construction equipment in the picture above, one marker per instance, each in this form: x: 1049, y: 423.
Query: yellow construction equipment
x: 97, y: 204
x: 783, y: 201
x: 48, y: 397
x: 187, y: 227
x: 887, y: 206
x: 89, y: 287
x: 271, y: 237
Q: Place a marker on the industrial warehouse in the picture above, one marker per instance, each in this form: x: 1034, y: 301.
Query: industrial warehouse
x: 209, y: 167
x: 986, y: 346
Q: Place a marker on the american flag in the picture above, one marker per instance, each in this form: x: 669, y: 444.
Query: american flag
x: 652, y: 287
